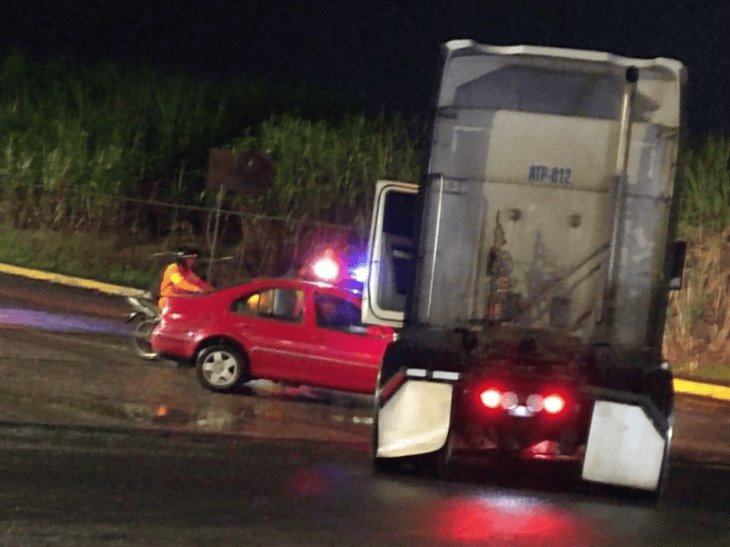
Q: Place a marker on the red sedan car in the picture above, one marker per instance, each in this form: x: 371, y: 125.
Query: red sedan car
x: 287, y: 330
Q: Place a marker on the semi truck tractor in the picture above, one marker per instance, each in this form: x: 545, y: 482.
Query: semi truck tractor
x: 528, y: 270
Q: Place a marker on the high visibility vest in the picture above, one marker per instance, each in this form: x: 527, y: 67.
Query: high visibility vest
x: 177, y: 281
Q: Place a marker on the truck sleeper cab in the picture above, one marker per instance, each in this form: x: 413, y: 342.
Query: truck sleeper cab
x: 530, y: 266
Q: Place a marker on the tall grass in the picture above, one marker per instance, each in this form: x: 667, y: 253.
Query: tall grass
x: 698, y: 319
x: 108, y: 130
x: 706, y: 186
x: 697, y: 335
x: 69, y: 133
x: 326, y: 171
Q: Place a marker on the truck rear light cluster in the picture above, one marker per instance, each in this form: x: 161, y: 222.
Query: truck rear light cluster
x: 535, y: 402
x: 553, y: 403
x: 493, y: 398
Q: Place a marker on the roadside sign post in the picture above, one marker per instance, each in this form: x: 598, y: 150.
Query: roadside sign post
x: 229, y: 172
x: 218, y: 205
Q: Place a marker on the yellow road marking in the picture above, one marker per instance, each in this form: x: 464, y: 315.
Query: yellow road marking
x: 700, y: 388
x: 107, y: 288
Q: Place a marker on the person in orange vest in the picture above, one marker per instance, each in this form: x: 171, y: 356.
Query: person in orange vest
x: 179, y: 278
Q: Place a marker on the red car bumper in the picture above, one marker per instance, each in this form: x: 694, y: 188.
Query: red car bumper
x: 172, y: 343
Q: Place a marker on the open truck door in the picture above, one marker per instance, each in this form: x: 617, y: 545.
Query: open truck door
x: 390, y: 254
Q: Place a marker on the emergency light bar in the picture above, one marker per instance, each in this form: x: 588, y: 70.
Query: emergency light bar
x: 326, y: 269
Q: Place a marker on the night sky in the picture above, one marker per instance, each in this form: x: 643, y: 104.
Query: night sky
x: 383, y: 53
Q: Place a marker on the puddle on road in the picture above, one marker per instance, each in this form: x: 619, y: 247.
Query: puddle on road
x: 251, y: 417
x: 247, y: 417
x: 263, y: 408
x: 60, y: 322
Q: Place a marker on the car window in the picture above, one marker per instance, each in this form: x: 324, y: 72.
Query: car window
x: 284, y: 304
x: 333, y: 312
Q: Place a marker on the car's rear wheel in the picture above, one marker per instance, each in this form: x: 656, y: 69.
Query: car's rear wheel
x: 221, y: 368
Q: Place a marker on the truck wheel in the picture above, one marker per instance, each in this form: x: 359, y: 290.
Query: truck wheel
x: 383, y: 465
x: 658, y: 384
x: 434, y: 464
x: 664, y: 473
x: 388, y: 368
x: 437, y: 464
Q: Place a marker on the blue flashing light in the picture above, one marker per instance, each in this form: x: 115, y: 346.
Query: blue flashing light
x: 359, y: 273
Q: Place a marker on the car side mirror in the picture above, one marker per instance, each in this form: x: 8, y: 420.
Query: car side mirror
x: 674, y: 264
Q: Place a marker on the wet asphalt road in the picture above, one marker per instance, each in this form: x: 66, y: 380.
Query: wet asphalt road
x: 100, y: 448
x: 70, y: 486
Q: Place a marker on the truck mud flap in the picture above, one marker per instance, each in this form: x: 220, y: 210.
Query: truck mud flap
x: 415, y: 419
x: 628, y: 442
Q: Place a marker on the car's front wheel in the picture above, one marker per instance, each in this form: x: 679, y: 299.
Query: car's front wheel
x: 221, y: 368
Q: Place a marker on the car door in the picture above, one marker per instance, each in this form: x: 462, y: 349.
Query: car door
x: 349, y: 353
x: 271, y: 319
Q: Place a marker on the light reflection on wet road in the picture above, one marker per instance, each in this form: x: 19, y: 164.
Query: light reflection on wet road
x: 71, y: 486
x: 285, y: 465
x: 151, y: 397
x: 60, y: 322
x: 508, y: 518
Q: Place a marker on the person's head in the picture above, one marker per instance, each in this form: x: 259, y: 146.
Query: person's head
x: 186, y: 256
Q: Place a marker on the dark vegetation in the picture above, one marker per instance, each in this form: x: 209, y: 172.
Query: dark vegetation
x: 102, y: 167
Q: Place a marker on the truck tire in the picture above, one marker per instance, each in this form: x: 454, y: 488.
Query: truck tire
x: 437, y: 464
x: 388, y: 368
x: 659, y: 386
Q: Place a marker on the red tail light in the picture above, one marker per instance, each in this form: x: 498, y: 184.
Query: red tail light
x: 491, y: 398
x: 553, y: 403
